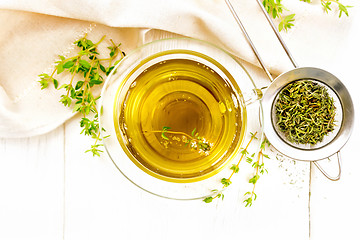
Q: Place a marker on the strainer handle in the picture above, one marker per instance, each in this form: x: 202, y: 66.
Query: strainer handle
x: 247, y: 37
x: 325, y: 173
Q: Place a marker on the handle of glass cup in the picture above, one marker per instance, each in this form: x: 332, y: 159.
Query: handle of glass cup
x: 325, y: 173
x: 253, y: 95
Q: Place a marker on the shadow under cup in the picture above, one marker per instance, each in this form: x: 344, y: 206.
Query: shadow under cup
x: 169, y: 105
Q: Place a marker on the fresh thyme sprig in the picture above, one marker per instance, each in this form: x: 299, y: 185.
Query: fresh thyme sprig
x: 277, y: 11
x: 235, y: 169
x: 258, y: 165
x: 79, y: 93
x: 194, y: 140
x: 342, y: 8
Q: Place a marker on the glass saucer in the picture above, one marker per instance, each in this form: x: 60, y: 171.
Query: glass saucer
x: 124, y: 76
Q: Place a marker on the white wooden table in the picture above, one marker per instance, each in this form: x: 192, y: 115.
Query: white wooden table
x: 51, y: 189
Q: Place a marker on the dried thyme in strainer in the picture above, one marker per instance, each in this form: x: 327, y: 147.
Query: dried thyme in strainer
x: 305, y: 112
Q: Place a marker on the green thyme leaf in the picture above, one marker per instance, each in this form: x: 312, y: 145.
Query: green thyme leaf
x: 254, y: 179
x: 226, y: 182
x: 68, y: 64
x: 193, y: 132
x: 56, y: 83
x: 235, y: 168
x: 208, y: 199
x: 164, y: 130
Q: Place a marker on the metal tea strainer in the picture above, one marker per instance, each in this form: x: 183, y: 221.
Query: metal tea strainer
x: 344, y: 118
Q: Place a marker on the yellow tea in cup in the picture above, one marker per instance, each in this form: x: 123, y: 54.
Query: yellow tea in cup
x: 180, y: 116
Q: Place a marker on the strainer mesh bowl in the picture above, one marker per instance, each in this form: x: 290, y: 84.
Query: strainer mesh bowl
x: 328, y: 137
x: 344, y: 118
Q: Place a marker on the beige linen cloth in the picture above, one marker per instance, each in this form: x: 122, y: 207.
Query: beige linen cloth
x: 33, y: 33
